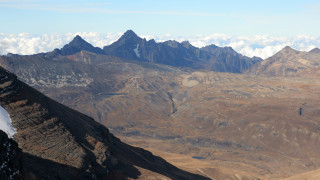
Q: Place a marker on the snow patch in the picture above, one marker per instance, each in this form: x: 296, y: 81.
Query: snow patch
x: 136, y: 50
x: 6, y: 123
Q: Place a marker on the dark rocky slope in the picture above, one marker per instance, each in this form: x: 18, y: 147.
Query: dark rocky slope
x: 10, y: 158
x: 61, y: 143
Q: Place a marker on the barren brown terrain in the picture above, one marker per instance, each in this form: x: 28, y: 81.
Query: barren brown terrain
x: 312, y: 175
x: 268, y: 128
x: 60, y: 143
x: 220, y: 125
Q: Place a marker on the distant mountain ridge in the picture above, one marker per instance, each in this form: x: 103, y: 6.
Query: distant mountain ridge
x: 76, y: 45
x: 131, y: 46
x: 289, y: 62
x: 315, y: 50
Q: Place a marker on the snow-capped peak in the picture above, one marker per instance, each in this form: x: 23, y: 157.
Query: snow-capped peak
x: 6, y: 123
x: 136, y: 50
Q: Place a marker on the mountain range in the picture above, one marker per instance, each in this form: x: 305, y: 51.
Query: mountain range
x: 132, y: 47
x: 244, y: 120
x: 173, y: 53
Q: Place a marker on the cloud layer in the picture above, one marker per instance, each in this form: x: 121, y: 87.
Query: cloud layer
x: 261, y: 45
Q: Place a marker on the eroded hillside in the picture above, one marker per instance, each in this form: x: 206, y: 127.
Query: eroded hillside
x: 58, y: 142
x: 230, y: 125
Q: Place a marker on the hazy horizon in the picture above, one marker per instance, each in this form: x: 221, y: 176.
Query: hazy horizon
x: 252, y: 28
x: 262, y: 46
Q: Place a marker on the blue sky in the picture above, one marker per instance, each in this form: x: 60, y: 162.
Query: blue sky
x: 159, y: 17
x: 251, y: 27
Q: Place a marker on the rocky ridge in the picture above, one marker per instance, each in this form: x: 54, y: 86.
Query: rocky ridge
x: 289, y: 62
x: 131, y: 46
x: 75, y: 46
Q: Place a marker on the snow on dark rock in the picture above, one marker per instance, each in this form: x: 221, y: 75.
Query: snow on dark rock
x: 10, y: 158
x: 6, y: 123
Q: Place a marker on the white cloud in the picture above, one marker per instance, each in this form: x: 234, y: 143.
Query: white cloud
x: 27, y: 44
x: 260, y: 45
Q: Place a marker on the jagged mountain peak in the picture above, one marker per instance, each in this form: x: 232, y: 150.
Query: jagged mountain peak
x: 78, y: 44
x: 179, y: 54
x: 78, y: 40
x: 229, y: 48
x: 171, y: 43
x: 176, y: 44
x: 213, y: 49
x: 315, y: 50
x: 289, y: 62
x: 152, y: 41
x: 209, y: 47
x: 128, y: 40
x: 129, y: 35
x: 288, y: 49
x: 127, y: 46
x: 186, y: 44
x: 285, y: 53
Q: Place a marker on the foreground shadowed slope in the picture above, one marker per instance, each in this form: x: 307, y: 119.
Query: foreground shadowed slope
x: 59, y: 142
x: 10, y: 158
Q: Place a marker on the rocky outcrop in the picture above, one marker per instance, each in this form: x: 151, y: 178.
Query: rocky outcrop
x: 225, y: 59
